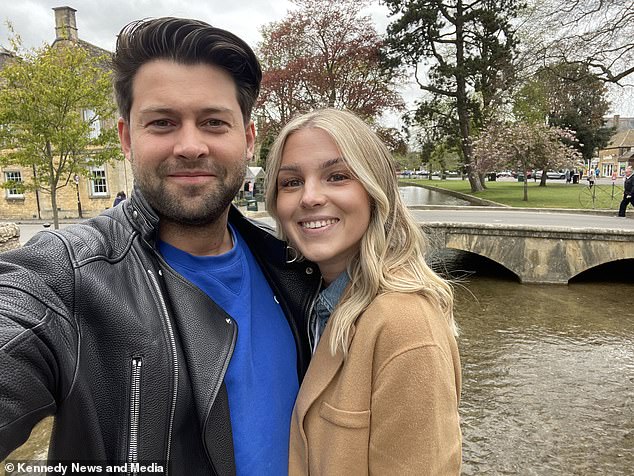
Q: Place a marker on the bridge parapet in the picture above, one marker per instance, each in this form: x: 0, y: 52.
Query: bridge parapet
x: 9, y: 236
x: 535, y: 254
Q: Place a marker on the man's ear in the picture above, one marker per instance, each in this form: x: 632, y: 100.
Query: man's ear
x: 250, y: 136
x: 124, y: 137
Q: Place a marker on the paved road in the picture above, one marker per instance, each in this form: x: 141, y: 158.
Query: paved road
x: 528, y: 218
x: 479, y: 215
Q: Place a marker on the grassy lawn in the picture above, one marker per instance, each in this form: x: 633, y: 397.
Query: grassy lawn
x: 556, y: 193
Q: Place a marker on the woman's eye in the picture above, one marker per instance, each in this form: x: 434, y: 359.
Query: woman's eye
x: 290, y: 183
x: 338, y: 177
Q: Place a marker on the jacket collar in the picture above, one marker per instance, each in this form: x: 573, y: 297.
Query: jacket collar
x: 143, y: 218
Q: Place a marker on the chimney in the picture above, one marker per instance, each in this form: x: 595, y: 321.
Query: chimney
x: 616, y: 120
x: 65, y: 24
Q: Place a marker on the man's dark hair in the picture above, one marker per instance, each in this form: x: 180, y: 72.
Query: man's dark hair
x: 186, y: 42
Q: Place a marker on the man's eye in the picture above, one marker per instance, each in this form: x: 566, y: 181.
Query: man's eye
x: 214, y: 123
x: 160, y: 123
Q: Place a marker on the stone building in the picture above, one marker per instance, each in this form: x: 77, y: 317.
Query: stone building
x: 619, y: 153
x: 90, y: 196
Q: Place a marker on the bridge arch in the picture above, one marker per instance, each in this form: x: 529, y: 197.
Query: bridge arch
x: 483, y: 260
x: 617, y: 270
x: 535, y: 254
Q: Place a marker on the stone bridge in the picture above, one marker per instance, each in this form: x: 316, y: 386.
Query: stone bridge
x: 9, y: 236
x: 536, y: 254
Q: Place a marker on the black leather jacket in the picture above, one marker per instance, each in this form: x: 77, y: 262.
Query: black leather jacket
x: 628, y: 185
x: 97, y: 329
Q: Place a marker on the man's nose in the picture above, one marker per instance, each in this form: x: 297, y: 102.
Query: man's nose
x: 190, y: 143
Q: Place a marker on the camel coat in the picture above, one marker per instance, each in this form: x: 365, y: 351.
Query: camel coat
x: 391, y: 407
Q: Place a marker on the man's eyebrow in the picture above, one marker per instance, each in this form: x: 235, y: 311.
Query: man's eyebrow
x: 170, y: 110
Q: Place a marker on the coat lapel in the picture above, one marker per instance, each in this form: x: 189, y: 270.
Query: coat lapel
x: 208, y: 337
x: 322, y: 370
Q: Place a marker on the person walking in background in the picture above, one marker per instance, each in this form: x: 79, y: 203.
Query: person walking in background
x: 381, y: 393
x: 591, y: 178
x: 169, y: 328
x: 119, y: 198
x: 628, y: 191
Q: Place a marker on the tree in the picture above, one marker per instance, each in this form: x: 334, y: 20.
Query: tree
x: 530, y: 103
x: 523, y: 146
x: 325, y: 53
x: 54, y: 104
x: 594, y: 34
x: 394, y: 140
x: 577, y: 101
x: 570, y: 97
x: 462, y: 52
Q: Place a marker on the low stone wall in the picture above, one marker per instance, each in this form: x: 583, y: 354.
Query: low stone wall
x: 9, y: 236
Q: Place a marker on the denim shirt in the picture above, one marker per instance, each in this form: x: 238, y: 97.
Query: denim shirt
x: 325, y: 303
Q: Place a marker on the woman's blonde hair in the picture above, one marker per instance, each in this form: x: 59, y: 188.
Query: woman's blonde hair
x: 391, y: 256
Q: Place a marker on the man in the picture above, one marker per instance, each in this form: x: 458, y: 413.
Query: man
x: 628, y: 191
x: 169, y: 329
x: 121, y: 196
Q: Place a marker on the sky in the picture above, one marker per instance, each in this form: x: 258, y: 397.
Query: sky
x: 98, y: 22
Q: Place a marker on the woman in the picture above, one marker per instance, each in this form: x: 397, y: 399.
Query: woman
x: 382, y: 390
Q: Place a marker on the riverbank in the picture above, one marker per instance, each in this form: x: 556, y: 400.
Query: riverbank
x: 601, y: 199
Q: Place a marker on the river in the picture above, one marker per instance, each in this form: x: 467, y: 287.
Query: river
x: 412, y: 195
x: 548, y: 378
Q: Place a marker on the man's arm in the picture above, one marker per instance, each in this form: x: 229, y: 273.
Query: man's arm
x: 38, y: 341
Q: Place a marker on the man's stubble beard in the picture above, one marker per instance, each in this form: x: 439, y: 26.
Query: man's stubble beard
x: 179, y: 208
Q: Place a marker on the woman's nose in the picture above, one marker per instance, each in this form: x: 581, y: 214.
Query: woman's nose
x: 312, y: 195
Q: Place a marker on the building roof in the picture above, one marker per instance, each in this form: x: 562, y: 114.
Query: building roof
x: 66, y: 31
x: 5, y: 56
x: 622, y: 139
x: 254, y: 173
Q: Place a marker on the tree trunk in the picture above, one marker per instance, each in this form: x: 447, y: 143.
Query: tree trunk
x: 542, y: 181
x: 525, y: 199
x: 462, y: 103
x: 54, y: 205
x: 482, y: 181
x: 52, y: 182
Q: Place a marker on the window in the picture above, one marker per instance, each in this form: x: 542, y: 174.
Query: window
x: 95, y: 123
x: 13, y: 177
x: 98, y: 183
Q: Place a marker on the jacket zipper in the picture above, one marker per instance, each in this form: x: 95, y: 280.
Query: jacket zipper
x: 172, y: 341
x: 135, y: 401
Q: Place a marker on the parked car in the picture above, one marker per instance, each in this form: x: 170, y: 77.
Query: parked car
x: 519, y: 173
x: 552, y: 174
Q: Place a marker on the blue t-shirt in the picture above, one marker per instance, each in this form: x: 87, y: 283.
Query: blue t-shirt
x: 262, y: 376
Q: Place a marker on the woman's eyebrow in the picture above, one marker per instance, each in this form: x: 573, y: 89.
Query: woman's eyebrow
x: 289, y: 167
